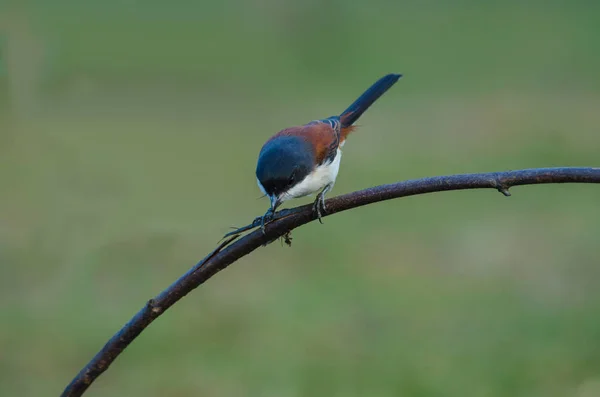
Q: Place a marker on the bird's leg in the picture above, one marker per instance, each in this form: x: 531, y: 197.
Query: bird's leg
x: 266, y: 218
x: 319, y: 205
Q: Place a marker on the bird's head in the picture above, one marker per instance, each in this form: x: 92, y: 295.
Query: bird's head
x: 283, y: 162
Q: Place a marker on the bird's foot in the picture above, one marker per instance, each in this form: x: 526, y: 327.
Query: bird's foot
x: 319, y: 206
x: 260, y: 221
x: 266, y: 218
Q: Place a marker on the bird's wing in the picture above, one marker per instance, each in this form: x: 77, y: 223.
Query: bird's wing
x: 323, y: 135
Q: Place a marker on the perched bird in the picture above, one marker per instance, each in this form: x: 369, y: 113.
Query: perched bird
x: 302, y: 160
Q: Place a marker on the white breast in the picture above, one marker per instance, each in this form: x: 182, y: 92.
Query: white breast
x: 315, y: 181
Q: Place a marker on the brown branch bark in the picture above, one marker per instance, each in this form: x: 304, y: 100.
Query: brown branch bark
x: 229, y: 251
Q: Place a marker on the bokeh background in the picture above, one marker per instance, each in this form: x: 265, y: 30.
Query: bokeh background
x: 129, y: 132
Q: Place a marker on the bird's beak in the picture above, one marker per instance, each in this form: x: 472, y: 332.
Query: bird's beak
x: 275, y: 202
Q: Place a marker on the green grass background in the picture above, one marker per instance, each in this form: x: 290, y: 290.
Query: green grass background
x: 129, y: 133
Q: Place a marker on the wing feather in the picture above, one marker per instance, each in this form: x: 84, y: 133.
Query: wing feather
x: 323, y: 135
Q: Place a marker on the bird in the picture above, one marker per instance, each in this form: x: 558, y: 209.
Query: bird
x: 302, y: 160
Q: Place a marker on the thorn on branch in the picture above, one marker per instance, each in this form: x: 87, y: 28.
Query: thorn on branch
x: 501, y: 187
x: 504, y: 191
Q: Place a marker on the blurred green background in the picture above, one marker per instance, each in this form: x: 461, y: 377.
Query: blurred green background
x: 129, y: 132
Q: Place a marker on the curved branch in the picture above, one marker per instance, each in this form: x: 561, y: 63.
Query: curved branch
x: 286, y: 220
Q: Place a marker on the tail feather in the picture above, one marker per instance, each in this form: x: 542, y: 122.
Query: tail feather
x: 354, y: 111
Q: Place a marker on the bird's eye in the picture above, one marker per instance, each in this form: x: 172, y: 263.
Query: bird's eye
x: 292, y: 178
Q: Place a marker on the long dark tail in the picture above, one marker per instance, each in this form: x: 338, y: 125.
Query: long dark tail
x: 354, y: 111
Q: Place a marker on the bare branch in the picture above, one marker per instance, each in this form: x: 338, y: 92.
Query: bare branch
x: 229, y: 251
